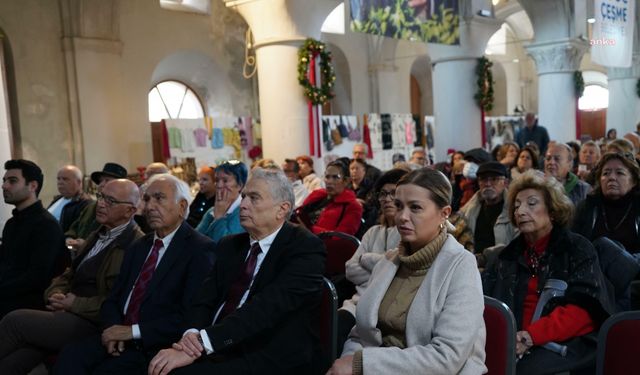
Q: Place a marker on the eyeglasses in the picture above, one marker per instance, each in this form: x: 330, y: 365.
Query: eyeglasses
x: 333, y: 177
x: 383, y: 194
x: 110, y: 201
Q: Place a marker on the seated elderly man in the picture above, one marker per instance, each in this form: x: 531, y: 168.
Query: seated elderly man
x: 487, y: 213
x: 558, y: 163
x: 253, y: 314
x: 32, y: 241
x: 159, y: 276
x: 66, y: 206
x: 74, y: 298
x: 86, y: 222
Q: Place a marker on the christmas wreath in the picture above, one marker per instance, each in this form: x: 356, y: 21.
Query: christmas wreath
x: 578, y: 83
x: 310, y: 50
x: 484, y: 95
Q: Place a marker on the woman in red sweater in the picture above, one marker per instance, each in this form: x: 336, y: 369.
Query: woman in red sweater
x: 333, y: 208
x: 546, y: 250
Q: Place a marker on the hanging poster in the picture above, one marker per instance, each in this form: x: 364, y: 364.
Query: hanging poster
x: 612, y: 41
x: 431, y: 21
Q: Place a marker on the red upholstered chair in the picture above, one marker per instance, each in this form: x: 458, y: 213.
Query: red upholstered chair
x: 618, y: 346
x: 500, y: 346
x: 340, y: 248
x: 328, y: 324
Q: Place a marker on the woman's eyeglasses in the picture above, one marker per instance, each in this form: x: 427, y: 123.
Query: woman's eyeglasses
x: 333, y: 177
x: 383, y: 194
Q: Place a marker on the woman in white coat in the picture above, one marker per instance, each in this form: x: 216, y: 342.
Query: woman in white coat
x: 422, y: 312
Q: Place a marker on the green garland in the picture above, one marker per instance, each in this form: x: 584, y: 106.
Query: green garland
x: 638, y: 88
x: 484, y: 95
x: 578, y: 83
x: 310, y: 49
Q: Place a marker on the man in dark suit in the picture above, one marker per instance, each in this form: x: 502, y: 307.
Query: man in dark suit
x: 159, y: 276
x: 253, y: 314
x: 74, y: 297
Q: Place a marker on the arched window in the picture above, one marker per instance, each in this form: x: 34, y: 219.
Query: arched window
x: 173, y: 99
x: 596, y: 94
x: 594, y: 97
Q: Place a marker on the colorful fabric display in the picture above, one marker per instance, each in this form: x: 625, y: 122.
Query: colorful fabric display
x: 387, y: 131
x: 374, y: 123
x: 354, y: 130
x: 366, y: 138
x: 419, y: 141
x: 397, y: 131
x: 409, y: 130
x: 188, y: 140
x: 217, y: 139
x: 200, y: 135
x: 175, y: 137
x: 326, y: 134
x: 232, y: 138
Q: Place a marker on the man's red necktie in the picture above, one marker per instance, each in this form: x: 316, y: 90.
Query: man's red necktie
x: 149, y: 266
x: 240, y: 286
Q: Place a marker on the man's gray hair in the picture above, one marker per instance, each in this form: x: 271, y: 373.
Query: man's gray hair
x: 180, y: 187
x: 279, y: 185
x: 364, y: 145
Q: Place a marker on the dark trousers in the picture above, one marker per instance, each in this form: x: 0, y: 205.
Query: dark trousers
x: 28, y: 336
x: 346, y: 321
x: 89, y: 356
x: 580, y: 359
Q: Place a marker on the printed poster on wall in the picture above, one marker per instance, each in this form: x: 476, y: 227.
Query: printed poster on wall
x: 612, y: 41
x: 431, y: 21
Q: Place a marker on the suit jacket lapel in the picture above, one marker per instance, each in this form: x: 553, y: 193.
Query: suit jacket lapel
x: 278, y: 246
x: 170, y: 256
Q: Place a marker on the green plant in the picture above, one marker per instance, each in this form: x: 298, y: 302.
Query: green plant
x: 484, y: 95
x: 578, y: 83
x: 310, y: 50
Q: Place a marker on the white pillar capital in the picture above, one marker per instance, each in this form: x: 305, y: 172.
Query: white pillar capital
x: 560, y: 56
x: 286, y: 21
x: 279, y: 28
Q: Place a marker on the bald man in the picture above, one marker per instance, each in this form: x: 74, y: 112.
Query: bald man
x: 71, y: 200
x: 74, y: 298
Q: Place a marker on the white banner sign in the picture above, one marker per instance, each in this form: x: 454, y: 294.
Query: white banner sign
x: 612, y: 41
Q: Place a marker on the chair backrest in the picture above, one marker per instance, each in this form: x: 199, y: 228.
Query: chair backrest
x: 340, y: 248
x: 500, y: 346
x: 328, y: 328
x: 618, y: 347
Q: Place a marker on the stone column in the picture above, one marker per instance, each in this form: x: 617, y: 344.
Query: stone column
x: 556, y: 62
x: 92, y: 51
x: 624, y: 104
x: 457, y: 116
x: 279, y: 28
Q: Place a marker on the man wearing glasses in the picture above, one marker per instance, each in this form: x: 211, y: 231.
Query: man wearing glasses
x: 160, y: 274
x: 486, y: 212
x: 74, y: 298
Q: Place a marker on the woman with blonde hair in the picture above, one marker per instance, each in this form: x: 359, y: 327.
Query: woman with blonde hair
x: 422, y: 311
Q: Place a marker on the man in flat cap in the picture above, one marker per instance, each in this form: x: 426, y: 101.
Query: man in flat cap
x: 486, y: 212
